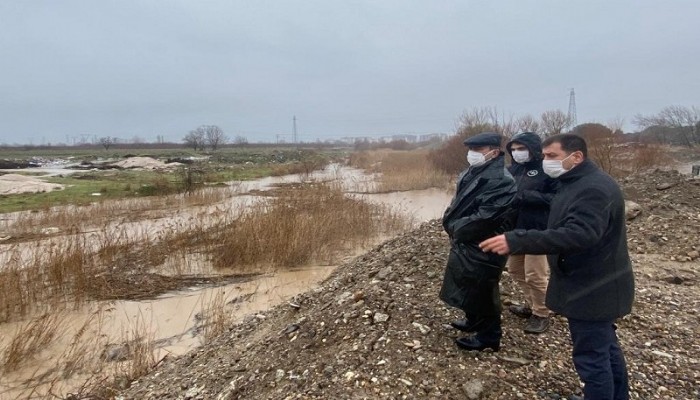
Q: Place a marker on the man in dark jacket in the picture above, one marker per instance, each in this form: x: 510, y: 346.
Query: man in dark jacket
x: 478, y: 210
x: 535, y: 192
x: 591, y: 281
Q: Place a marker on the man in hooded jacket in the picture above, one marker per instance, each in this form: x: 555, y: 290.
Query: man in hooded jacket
x: 480, y: 209
x: 535, y: 193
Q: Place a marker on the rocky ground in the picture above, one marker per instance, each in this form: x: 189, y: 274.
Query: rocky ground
x: 376, y: 329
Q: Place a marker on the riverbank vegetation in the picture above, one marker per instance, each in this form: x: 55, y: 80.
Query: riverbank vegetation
x: 116, y: 249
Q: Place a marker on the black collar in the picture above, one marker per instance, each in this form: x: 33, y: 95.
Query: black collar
x: 579, y: 171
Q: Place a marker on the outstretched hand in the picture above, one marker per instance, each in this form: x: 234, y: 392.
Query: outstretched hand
x: 497, y: 244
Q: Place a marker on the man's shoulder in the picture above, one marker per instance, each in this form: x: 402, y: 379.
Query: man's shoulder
x: 599, y: 182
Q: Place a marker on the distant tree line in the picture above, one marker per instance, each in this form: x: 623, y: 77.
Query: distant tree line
x: 677, y: 125
x: 672, y: 125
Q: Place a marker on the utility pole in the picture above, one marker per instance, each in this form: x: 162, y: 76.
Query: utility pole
x: 294, y: 129
x: 572, y: 108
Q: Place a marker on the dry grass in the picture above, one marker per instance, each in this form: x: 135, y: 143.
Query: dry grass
x: 29, y: 339
x: 302, y: 224
x: 401, y: 170
x: 621, y: 160
x: 216, y: 318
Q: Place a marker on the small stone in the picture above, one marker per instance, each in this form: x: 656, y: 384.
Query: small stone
x: 380, y: 317
x: 279, y: 375
x: 383, y: 273
x: 357, y: 296
x: 661, y: 354
x: 473, y: 389
x: 422, y: 328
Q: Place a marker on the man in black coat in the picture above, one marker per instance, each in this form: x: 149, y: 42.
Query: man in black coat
x: 535, y: 192
x: 479, y: 209
x: 591, y: 281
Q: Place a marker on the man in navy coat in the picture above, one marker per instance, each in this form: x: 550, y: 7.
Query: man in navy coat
x: 591, y: 281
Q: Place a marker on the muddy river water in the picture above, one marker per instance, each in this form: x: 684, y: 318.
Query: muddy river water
x: 172, y: 321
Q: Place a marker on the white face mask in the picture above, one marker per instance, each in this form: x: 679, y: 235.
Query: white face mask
x: 520, y: 156
x: 475, y: 159
x: 555, y: 168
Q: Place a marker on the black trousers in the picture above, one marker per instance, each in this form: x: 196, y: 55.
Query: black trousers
x: 599, y: 360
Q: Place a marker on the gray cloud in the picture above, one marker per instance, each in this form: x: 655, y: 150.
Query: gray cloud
x: 136, y: 68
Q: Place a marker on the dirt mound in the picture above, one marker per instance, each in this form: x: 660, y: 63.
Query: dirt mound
x: 14, y: 183
x: 376, y: 329
x: 144, y: 163
x: 669, y: 222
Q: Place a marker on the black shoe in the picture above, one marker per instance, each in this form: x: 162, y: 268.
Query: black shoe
x: 472, y: 343
x: 464, y: 325
x: 520, y: 311
x: 536, y: 324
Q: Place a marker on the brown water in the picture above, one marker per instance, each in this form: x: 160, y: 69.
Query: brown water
x: 172, y: 323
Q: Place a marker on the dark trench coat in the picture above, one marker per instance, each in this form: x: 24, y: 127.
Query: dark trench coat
x: 480, y: 209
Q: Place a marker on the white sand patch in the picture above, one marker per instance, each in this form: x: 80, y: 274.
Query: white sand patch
x: 14, y: 183
x: 145, y: 163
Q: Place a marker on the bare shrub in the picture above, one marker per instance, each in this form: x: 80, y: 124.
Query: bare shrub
x: 451, y: 157
x: 602, y: 145
x: 158, y: 186
x: 647, y: 156
x: 191, y: 178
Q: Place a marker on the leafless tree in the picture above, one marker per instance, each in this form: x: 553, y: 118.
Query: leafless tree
x: 195, y: 139
x: 527, y: 123
x: 601, y: 144
x: 107, y: 142
x: 684, y: 120
x: 484, y: 119
x: 214, y: 136
x: 616, y: 125
x: 240, y: 140
x: 554, y: 122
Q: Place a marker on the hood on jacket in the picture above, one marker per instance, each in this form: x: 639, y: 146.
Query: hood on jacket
x: 531, y: 140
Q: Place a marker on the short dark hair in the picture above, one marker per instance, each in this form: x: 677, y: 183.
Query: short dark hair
x: 569, y: 143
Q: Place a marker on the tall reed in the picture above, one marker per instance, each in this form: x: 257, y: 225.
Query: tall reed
x: 401, y: 170
x: 301, y: 224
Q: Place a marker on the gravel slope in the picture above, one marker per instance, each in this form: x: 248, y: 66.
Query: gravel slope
x: 376, y: 329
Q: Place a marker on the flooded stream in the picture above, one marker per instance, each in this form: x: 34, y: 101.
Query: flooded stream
x: 173, y: 322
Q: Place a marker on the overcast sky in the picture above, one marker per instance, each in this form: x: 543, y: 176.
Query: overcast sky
x: 131, y: 68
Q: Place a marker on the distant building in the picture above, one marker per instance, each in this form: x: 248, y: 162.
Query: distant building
x: 433, y: 137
